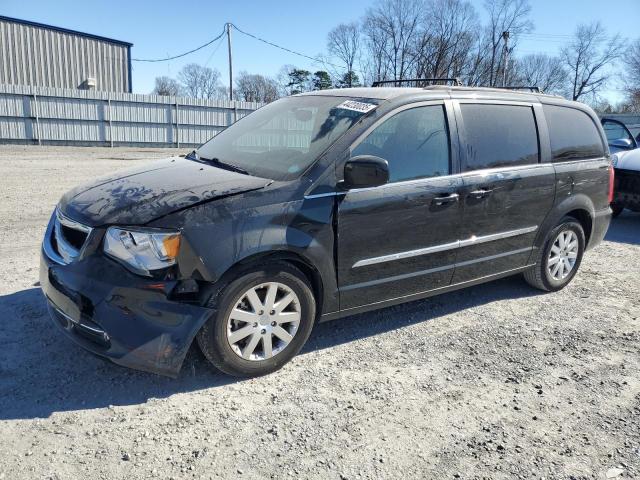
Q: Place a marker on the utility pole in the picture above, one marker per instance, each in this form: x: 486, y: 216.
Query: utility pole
x: 505, y: 37
x: 230, y: 62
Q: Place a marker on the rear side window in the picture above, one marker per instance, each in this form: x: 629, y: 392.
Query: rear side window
x: 573, y: 134
x: 498, y: 135
x: 415, y: 142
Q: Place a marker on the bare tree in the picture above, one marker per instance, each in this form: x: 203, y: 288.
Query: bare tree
x: 632, y: 76
x: 632, y: 62
x: 343, y: 42
x: 446, y: 38
x: 391, y: 29
x: 504, y: 16
x: 199, y: 82
x: 542, y: 71
x: 375, y: 65
x: 256, y: 88
x: 166, y: 86
x: 478, y: 65
x: 588, y: 57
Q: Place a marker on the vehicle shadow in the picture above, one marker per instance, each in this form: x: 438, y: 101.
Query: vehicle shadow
x: 625, y: 228
x: 41, y: 372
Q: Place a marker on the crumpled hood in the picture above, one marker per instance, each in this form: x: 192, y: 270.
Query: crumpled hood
x: 629, y: 160
x: 140, y: 195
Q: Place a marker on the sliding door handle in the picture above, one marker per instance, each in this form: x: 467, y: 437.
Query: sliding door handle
x: 482, y: 193
x: 444, y: 200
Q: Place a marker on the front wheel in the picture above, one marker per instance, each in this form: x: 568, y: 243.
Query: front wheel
x: 262, y: 319
x: 558, y: 261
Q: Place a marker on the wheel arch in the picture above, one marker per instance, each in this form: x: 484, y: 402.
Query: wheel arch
x: 579, y: 207
x: 585, y: 219
x: 296, y: 259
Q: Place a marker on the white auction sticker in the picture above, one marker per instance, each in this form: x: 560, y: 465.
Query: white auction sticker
x: 361, y: 107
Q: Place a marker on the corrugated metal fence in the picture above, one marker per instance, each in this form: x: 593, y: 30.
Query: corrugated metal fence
x: 53, y: 116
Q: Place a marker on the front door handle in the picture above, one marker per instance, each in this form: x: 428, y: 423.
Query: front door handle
x: 451, y: 198
x: 481, y: 193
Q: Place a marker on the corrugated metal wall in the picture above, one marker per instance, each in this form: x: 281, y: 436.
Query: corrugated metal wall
x: 37, y: 56
x: 32, y: 115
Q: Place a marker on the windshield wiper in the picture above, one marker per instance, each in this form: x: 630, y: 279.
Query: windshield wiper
x: 227, y: 166
x: 218, y: 163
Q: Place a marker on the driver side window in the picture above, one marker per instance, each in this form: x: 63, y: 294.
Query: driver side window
x: 415, y: 142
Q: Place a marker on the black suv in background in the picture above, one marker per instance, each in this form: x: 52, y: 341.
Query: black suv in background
x: 319, y: 206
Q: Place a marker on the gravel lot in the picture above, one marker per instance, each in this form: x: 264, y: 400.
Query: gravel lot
x: 497, y: 381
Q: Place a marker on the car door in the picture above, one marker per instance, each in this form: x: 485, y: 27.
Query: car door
x: 618, y: 135
x: 507, y: 190
x: 399, y: 239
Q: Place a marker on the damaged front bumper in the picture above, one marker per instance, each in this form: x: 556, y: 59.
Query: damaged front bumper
x: 132, y: 321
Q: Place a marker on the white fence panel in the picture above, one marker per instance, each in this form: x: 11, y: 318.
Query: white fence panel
x: 44, y: 115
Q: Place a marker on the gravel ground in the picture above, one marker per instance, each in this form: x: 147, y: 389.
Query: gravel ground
x: 496, y: 381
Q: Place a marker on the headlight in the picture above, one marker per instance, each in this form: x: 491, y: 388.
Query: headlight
x: 142, y: 251
x: 614, y: 160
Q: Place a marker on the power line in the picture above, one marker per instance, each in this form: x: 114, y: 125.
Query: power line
x: 315, y: 60
x: 285, y: 48
x: 255, y: 37
x: 215, y: 49
x: 278, y: 46
x: 182, y: 54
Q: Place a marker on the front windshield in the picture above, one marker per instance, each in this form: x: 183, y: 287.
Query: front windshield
x: 280, y: 140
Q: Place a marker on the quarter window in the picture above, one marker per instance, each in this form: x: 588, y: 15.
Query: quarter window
x: 572, y: 133
x: 415, y: 142
x: 499, y: 135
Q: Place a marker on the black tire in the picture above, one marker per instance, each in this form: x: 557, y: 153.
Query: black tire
x: 212, y: 337
x: 616, y: 209
x: 539, y: 275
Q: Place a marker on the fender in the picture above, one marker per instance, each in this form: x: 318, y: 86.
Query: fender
x: 575, y: 203
x: 227, y: 238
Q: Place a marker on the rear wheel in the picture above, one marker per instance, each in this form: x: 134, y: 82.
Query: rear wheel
x: 558, y: 261
x: 262, y: 319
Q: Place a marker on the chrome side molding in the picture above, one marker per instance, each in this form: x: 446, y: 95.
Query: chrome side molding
x: 408, y: 254
x: 444, y: 247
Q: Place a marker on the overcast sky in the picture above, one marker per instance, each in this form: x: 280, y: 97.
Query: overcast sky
x: 162, y: 28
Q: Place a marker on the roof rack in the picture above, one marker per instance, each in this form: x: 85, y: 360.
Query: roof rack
x: 521, y: 87
x: 417, y: 82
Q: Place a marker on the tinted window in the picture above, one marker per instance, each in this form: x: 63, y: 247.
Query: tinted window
x: 573, y: 134
x: 415, y: 142
x: 499, y: 135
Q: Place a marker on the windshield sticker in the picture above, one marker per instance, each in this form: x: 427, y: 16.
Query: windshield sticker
x: 357, y: 106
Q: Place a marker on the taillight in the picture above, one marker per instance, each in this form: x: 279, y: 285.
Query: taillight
x: 612, y: 177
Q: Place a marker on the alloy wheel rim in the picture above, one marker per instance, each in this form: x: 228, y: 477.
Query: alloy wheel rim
x: 563, y: 255
x: 263, y: 321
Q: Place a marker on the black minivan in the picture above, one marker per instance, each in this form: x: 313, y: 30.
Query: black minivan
x: 319, y: 206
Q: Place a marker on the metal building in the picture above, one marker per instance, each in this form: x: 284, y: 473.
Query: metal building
x: 37, y: 55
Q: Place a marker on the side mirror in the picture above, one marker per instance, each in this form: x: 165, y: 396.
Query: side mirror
x: 366, y: 171
x: 621, y: 144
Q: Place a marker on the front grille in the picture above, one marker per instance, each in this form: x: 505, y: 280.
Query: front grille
x: 627, y: 181
x: 75, y: 237
x: 67, y: 238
